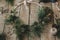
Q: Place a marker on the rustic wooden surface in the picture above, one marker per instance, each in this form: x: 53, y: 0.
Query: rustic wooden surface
x: 24, y: 16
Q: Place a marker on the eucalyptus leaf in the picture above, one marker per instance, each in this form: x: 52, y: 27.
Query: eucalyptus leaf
x: 45, y: 14
x: 37, y: 29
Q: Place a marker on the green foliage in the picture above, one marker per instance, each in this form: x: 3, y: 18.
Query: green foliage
x: 10, y: 2
x: 22, y: 31
x: 46, y: 20
x: 58, y: 25
x: 37, y: 29
x: 41, y: 14
x: 58, y: 21
x: 11, y: 19
x: 45, y: 14
x: 48, y: 10
x: 2, y: 36
x: 58, y: 34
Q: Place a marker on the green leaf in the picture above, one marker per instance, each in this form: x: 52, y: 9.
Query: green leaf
x: 41, y: 14
x: 11, y: 19
x: 22, y: 30
x: 37, y: 29
x: 45, y: 14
